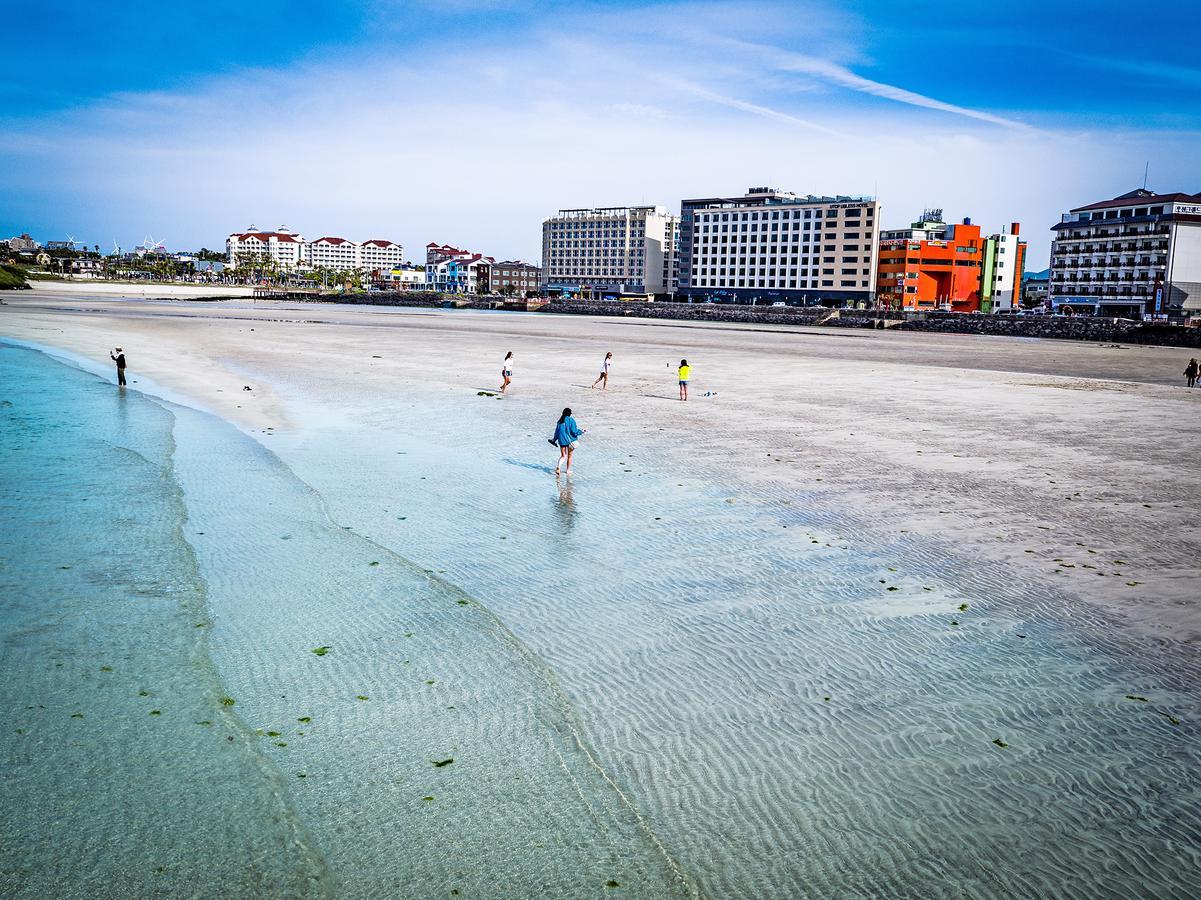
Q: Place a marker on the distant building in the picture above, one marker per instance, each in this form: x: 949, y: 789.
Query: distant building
x: 772, y: 246
x: 404, y: 278
x: 943, y: 272
x: 377, y: 255
x: 1137, y: 254
x: 330, y: 252
x: 609, y: 251
x: 281, y: 246
x: 512, y: 278
x: 929, y: 227
x: 1001, y: 272
x: 23, y: 243
x: 450, y: 270
x: 1034, y: 289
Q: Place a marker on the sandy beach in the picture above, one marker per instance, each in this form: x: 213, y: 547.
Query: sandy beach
x: 1020, y: 452
x: 863, y: 595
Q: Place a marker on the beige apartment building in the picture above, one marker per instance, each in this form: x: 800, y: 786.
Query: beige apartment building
x: 609, y: 251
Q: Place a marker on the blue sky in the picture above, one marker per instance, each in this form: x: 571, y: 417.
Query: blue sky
x: 468, y: 123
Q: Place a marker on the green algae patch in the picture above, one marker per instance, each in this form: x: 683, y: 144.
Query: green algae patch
x: 1000, y: 743
x: 321, y: 651
x: 281, y: 743
x: 272, y: 734
x: 228, y: 701
x: 374, y: 562
x: 442, y: 763
x: 462, y: 602
x: 612, y: 884
x: 962, y: 607
x: 1171, y: 718
x: 427, y: 799
x: 1136, y: 697
x: 156, y: 712
x: 106, y: 668
x: 305, y: 719
x: 361, y: 697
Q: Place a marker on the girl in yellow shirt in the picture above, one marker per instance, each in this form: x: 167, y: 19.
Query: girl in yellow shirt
x: 684, y: 373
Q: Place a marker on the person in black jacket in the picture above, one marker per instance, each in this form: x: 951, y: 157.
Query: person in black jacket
x: 1190, y: 372
x: 119, y: 359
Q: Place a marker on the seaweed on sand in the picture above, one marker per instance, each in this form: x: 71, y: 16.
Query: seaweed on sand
x: 321, y: 651
x: 999, y: 742
x: 442, y: 763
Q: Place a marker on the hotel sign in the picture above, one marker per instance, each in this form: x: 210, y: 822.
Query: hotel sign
x: 849, y: 205
x: 1188, y: 210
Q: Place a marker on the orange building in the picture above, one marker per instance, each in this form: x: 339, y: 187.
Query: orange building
x: 943, y: 273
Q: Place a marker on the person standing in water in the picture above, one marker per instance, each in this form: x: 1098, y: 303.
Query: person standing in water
x: 506, y: 372
x: 567, y: 438
x: 684, y: 373
x: 119, y: 359
x: 1190, y: 372
x: 603, y: 378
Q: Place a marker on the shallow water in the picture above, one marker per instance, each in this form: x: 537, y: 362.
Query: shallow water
x: 123, y: 773
x: 422, y: 751
x: 793, y: 711
x: 651, y: 674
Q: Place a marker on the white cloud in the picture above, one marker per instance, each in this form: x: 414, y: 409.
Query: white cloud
x: 476, y: 148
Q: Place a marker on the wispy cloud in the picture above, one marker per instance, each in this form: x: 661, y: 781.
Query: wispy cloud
x: 757, y: 109
x: 837, y: 74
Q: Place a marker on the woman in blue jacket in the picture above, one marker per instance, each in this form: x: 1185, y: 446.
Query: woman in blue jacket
x: 567, y: 438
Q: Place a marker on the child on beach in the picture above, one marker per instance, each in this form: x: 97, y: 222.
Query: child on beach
x: 603, y: 378
x: 1190, y: 372
x: 684, y: 373
x: 506, y: 372
x: 567, y: 438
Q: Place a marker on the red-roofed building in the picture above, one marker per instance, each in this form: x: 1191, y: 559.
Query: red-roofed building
x: 336, y: 253
x: 380, y: 256
x: 283, y: 247
x: 450, y: 270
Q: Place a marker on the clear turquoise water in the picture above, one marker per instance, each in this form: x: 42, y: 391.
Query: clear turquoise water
x: 630, y: 672
x: 150, y: 548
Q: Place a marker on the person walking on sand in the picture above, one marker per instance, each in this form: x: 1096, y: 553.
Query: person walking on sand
x: 684, y: 373
x: 603, y: 378
x: 1190, y: 372
x: 506, y: 372
x: 567, y: 438
x: 119, y: 359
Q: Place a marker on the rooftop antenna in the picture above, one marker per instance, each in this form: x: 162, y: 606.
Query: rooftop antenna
x: 1146, y: 170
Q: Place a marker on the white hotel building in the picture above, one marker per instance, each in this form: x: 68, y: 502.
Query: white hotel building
x: 1137, y: 254
x: 773, y: 246
x: 609, y: 250
x: 290, y: 251
x: 281, y: 246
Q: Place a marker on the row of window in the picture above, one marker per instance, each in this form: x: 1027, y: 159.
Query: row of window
x: 853, y: 213
x: 776, y: 283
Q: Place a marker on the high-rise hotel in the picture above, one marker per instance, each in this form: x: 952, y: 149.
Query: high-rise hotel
x: 610, y: 251
x: 772, y: 246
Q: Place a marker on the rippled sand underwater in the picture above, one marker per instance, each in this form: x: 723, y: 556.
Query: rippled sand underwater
x: 649, y: 683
